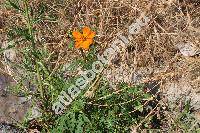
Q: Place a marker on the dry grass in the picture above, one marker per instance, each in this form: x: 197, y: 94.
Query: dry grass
x: 152, y: 52
x: 154, y: 47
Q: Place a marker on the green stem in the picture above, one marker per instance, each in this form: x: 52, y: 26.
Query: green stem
x: 29, y: 23
x: 39, y: 81
x: 83, y: 55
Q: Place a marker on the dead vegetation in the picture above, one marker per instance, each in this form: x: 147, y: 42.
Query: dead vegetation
x: 152, y: 53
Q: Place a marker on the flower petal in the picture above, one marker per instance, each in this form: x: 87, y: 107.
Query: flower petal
x: 91, y: 35
x: 86, y: 44
x: 78, y: 44
x: 77, y: 35
x: 86, y: 31
x: 85, y: 47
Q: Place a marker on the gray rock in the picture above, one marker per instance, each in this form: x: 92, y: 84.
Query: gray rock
x: 13, y: 108
x: 6, y: 128
x: 184, y: 90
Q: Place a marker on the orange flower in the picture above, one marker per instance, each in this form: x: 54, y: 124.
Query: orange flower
x: 83, y: 40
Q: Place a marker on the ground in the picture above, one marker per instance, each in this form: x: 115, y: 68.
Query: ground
x: 164, y: 54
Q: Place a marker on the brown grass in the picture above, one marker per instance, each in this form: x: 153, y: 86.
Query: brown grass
x: 172, y: 21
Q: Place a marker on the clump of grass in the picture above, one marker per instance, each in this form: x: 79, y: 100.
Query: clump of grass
x: 35, y: 67
x: 180, y: 117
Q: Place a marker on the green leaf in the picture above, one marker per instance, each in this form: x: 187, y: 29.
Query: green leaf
x: 147, y: 96
x: 40, y: 14
x: 139, y: 108
x: 14, y: 5
x: 71, y: 45
x: 80, y: 123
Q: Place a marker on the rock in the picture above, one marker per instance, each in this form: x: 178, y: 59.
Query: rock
x: 188, y: 49
x: 9, y: 54
x: 5, y: 81
x: 182, y: 89
x: 7, y: 128
x: 13, y: 108
x: 35, y: 113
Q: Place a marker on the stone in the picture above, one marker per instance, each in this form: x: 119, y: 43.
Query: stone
x: 13, y: 108
x: 182, y: 89
x: 188, y: 49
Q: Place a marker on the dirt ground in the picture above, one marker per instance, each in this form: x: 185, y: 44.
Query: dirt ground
x: 152, y: 55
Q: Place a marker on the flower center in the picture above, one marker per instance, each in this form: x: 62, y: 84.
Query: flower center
x: 84, y: 38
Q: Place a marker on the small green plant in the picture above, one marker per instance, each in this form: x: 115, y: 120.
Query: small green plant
x: 37, y: 76
x: 184, y: 120
x: 107, y: 111
x: 98, y: 108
